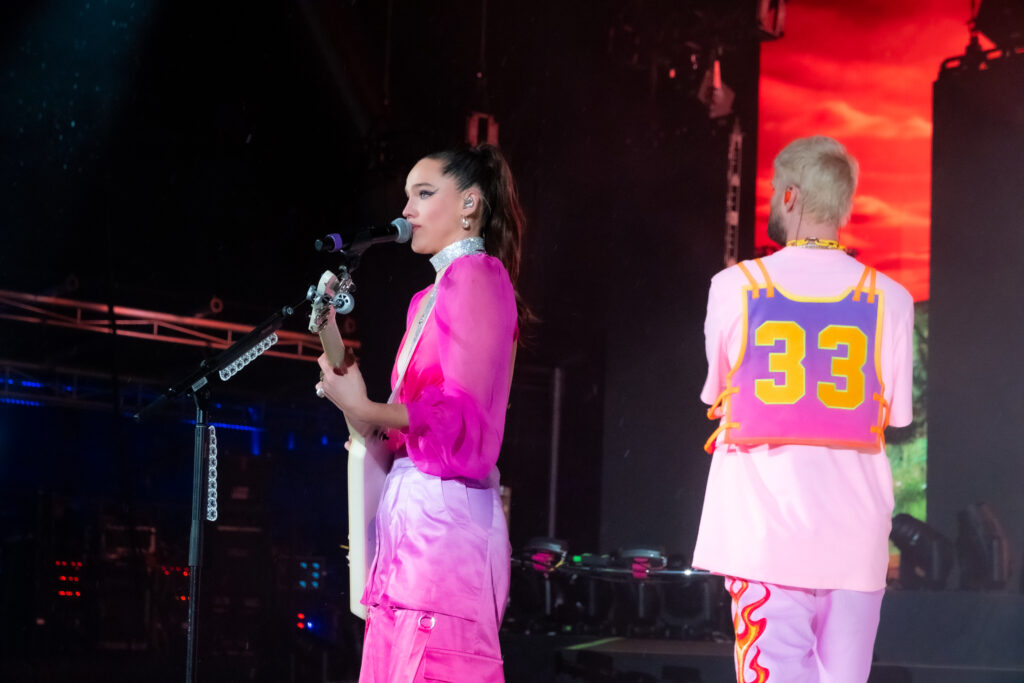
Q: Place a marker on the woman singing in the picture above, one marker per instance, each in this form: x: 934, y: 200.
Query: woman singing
x: 437, y: 589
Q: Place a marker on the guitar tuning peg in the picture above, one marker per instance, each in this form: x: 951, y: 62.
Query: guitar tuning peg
x: 344, y: 303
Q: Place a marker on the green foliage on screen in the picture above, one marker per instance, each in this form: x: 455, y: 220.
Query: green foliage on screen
x: 907, y: 447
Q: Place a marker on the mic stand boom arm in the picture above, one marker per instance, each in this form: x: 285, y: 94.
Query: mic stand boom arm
x: 197, y: 384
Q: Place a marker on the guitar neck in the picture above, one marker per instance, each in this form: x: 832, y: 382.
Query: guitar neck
x: 334, y: 345
x: 334, y: 348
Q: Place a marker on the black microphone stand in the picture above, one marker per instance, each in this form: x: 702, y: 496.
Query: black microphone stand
x: 197, y: 385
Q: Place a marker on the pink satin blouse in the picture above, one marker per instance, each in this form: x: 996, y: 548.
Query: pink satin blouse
x: 457, y: 385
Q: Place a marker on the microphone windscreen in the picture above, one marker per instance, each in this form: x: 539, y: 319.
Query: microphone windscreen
x: 404, y: 230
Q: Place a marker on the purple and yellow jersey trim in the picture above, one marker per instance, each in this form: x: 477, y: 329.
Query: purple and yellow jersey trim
x: 808, y: 371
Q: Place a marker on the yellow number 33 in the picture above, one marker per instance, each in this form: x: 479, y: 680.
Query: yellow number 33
x: 790, y: 362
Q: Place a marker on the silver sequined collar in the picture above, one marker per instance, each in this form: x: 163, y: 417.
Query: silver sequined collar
x: 444, y: 258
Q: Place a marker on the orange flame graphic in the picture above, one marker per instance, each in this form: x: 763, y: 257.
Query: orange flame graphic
x: 748, y: 630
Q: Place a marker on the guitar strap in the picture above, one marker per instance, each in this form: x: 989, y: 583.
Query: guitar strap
x: 441, y: 261
x: 410, y: 347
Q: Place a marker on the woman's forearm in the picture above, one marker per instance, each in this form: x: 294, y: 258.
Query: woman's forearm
x: 388, y: 415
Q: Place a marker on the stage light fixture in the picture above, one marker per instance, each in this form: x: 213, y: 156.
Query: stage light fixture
x: 539, y: 590
x: 926, y: 556
x: 713, y: 93
x: 640, y: 601
x: 771, y: 19
x: 643, y: 561
x: 1002, y: 21
x: 983, y: 549
x: 546, y: 554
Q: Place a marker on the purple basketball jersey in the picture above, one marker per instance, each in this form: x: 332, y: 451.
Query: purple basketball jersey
x: 808, y: 370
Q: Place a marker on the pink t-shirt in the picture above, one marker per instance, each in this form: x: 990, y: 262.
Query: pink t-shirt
x: 797, y: 515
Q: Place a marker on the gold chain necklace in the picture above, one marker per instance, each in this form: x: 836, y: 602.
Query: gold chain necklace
x: 815, y: 243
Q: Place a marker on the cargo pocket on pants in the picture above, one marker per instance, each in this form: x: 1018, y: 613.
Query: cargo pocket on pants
x: 452, y: 666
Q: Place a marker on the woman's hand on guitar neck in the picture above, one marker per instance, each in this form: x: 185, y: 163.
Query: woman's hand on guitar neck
x: 335, y: 387
x: 344, y: 387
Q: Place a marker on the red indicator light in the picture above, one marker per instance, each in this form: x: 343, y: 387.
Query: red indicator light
x: 78, y: 594
x: 300, y: 615
x: 301, y: 625
x: 672, y: 72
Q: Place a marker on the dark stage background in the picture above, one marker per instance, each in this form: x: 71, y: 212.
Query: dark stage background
x: 159, y: 154
x: 164, y: 153
x: 977, y: 298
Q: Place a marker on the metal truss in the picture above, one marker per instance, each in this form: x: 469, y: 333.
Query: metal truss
x: 152, y: 325
x: 33, y: 384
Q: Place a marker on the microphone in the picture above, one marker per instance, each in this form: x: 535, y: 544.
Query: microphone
x: 398, y: 230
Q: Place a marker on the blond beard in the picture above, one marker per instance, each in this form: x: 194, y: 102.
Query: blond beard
x: 776, y: 230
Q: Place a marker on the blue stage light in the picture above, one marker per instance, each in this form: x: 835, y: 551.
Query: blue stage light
x: 20, y: 402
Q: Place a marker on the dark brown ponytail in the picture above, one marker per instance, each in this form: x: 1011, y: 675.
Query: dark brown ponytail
x: 502, y: 221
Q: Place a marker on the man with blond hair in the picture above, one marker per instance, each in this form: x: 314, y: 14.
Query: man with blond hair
x: 809, y: 359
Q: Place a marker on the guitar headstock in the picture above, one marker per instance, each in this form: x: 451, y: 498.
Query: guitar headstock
x: 332, y: 293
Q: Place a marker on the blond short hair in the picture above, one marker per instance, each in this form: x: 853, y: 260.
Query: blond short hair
x: 825, y: 173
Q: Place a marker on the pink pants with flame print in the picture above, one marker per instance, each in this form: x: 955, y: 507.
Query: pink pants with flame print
x: 790, y: 634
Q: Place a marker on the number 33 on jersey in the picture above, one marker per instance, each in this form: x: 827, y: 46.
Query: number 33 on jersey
x: 808, y: 369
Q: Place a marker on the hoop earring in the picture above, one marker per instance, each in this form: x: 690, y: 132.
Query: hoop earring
x: 465, y: 223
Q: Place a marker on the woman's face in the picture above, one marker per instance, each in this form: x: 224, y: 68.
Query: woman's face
x: 436, y: 206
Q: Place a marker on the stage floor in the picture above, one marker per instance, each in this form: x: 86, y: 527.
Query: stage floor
x: 924, y: 637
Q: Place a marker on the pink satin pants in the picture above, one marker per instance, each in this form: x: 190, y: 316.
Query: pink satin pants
x: 409, y: 646
x: 437, y: 590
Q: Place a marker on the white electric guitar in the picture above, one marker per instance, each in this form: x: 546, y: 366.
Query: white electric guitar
x: 368, y: 459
